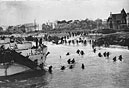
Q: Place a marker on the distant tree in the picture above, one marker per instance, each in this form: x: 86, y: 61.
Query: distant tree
x: 70, y: 21
x: 1, y: 29
x: 60, y: 22
x: 9, y: 28
x: 23, y: 28
x: 98, y: 23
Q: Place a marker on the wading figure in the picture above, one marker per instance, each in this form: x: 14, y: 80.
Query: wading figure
x: 50, y: 69
x: 65, y: 41
x: 85, y: 42
x: 62, y: 67
x: 120, y: 58
x: 94, y: 50
x: 93, y: 46
x: 69, y: 42
x: 90, y: 41
x: 68, y: 61
x: 83, y: 67
x: 114, y: 59
x: 40, y: 41
x: 73, y: 61
x: 78, y: 51
x: 82, y: 52
x: 36, y: 42
x: 77, y: 42
x: 108, y: 54
x: 71, y: 67
x: 67, y: 54
x: 73, y: 42
x: 104, y: 54
x: 99, y: 54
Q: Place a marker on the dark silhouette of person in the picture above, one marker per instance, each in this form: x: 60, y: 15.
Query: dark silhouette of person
x: 120, y: 58
x: 114, y: 59
x: 93, y: 46
x: 77, y: 42
x: 99, y: 54
x: 67, y: 54
x: 50, y: 69
x: 108, y: 54
x: 36, y: 42
x: 71, y: 67
x: 40, y: 41
x: 82, y: 52
x: 69, y: 61
x: 69, y: 42
x: 73, y: 61
x: 62, y: 67
x: 94, y: 50
x: 78, y: 51
x: 83, y: 66
x: 104, y: 54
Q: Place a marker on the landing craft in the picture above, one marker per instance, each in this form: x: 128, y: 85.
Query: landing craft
x: 18, y: 58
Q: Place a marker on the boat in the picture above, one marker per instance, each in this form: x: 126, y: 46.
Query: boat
x: 18, y: 58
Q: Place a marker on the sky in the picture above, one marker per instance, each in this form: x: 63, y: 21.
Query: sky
x: 25, y: 11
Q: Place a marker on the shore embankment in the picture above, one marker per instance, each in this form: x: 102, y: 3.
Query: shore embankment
x: 118, y: 38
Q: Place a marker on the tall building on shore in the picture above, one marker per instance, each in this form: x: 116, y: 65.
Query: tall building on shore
x: 27, y: 27
x: 127, y: 19
x: 117, y: 21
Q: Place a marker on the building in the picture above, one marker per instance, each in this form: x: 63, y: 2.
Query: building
x: 127, y: 18
x: 117, y: 21
x: 1, y: 29
x: 29, y: 27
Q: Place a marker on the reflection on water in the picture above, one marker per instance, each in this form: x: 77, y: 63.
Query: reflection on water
x: 99, y: 72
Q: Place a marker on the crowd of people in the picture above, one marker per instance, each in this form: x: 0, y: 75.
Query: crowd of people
x: 80, y: 38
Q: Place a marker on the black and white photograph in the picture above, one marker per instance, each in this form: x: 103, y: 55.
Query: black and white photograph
x: 64, y: 43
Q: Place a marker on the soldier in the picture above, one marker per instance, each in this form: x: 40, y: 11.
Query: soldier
x: 120, y: 58
x: 82, y: 52
x: 68, y: 61
x: 94, y: 50
x: 62, y: 67
x: 73, y: 61
x: 114, y: 59
x: 78, y: 51
x: 104, y: 54
x: 67, y: 54
x: 50, y: 69
x: 99, y: 54
x: 108, y: 54
x: 83, y: 67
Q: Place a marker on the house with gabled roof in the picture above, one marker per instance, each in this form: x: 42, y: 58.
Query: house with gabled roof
x: 127, y: 18
x: 117, y: 21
